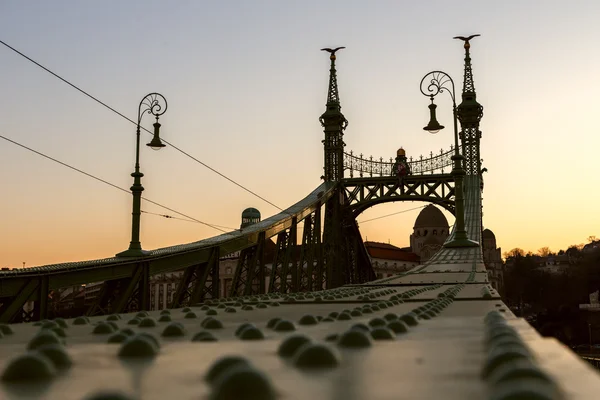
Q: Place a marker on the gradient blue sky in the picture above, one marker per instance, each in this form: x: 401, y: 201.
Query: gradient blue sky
x: 246, y: 83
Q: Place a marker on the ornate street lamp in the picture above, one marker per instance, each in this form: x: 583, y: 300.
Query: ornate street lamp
x: 154, y: 104
x: 432, y: 84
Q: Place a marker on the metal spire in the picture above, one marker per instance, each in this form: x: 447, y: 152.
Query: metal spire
x: 469, y: 113
x: 332, y: 94
x: 468, y: 84
x: 334, y: 123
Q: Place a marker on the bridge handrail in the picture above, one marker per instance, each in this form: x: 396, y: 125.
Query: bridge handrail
x: 418, y: 166
x: 271, y: 226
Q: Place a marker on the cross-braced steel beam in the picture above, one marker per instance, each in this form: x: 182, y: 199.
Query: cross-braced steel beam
x: 199, y: 282
x: 249, y: 277
x: 363, y: 193
x: 126, y: 294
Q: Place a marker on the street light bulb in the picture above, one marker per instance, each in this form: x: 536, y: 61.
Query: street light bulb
x: 434, y: 131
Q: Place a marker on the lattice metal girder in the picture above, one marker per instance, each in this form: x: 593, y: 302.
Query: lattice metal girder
x: 363, y: 193
x: 183, y: 291
x: 241, y: 272
x: 278, y: 260
x: 256, y: 268
x: 290, y: 257
x: 138, y: 284
x: 105, y: 297
x: 16, y: 304
x: 201, y: 287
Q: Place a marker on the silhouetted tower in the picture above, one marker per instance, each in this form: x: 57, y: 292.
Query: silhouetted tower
x: 334, y: 123
x: 250, y: 216
x: 469, y: 114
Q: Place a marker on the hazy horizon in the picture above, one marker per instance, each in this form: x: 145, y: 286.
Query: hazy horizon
x: 246, y: 84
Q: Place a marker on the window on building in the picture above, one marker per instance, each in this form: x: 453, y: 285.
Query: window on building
x: 425, y: 232
x: 435, y: 232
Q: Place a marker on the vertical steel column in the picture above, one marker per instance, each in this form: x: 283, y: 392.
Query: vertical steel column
x: 278, y: 261
x: 290, y: 257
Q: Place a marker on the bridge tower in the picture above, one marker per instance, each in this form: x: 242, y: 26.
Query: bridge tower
x: 334, y: 124
x: 469, y: 114
x: 346, y: 258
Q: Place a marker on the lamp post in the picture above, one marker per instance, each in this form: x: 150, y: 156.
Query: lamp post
x: 155, y: 104
x: 432, y: 84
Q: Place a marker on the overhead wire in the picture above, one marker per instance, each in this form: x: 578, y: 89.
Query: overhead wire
x: 389, y: 215
x: 135, y: 123
x: 190, y: 219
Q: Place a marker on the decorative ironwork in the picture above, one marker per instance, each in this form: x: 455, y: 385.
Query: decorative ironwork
x: 419, y: 166
x: 437, y: 82
x: 153, y: 104
x: 368, y: 192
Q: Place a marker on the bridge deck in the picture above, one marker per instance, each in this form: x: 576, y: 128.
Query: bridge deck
x: 440, y: 357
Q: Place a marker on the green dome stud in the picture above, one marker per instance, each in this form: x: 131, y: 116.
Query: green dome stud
x: 204, y: 336
x: 375, y: 322
x: 61, y: 322
x: 29, y: 367
x: 410, y: 319
x: 6, y: 329
x: 165, y: 312
x: 291, y: 344
x: 80, y: 321
x: 308, y: 320
x: 398, y: 327
x: 43, y: 338
x: 390, y: 317
x: 134, y: 321
x: 147, y: 322
x: 49, y: 325
x: 138, y: 347
x: 56, y: 354
x: 284, y: 326
x: 190, y: 315
x: 243, y: 382
x: 344, y: 317
x: 242, y: 327
x: 382, y: 333
x: 354, y: 338
x: 211, y: 312
x: 251, y: 333
x: 165, y: 318
x: 316, y: 356
x: 361, y: 327
x: 113, y: 317
x: 118, y: 337
x: 219, y: 367
x: 108, y: 395
x: 272, y: 322
x: 213, y: 324
x: 60, y: 332
x: 173, y: 330
x: 150, y: 338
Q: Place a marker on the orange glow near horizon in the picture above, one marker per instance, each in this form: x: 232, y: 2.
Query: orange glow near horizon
x: 246, y: 102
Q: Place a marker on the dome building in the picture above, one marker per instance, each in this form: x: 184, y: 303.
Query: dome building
x: 429, y: 233
x: 250, y: 216
x: 493, y: 260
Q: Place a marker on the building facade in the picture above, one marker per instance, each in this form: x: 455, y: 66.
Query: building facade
x: 429, y: 233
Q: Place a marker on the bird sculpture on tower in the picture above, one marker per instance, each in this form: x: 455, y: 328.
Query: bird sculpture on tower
x: 466, y: 39
x: 332, y: 51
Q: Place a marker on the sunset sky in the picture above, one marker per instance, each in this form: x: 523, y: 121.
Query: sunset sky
x: 246, y: 84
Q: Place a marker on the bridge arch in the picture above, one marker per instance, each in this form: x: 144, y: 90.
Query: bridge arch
x: 364, y: 193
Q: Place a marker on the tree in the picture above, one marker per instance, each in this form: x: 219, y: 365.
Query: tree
x: 591, y: 239
x: 544, y: 251
x: 514, y: 253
